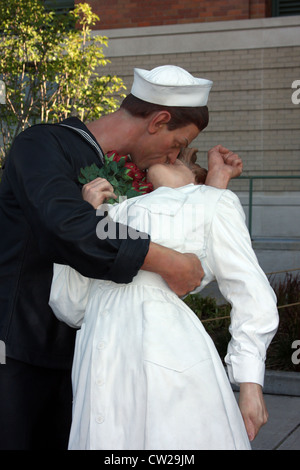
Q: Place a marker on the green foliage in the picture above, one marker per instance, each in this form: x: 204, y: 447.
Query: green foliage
x: 51, y: 70
x: 116, y: 173
x: 288, y: 300
x: 215, y: 319
x: 279, y: 355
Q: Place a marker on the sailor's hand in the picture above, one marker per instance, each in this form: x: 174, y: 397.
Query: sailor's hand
x: 183, y: 272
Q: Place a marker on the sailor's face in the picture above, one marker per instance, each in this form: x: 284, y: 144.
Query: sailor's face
x: 164, y: 146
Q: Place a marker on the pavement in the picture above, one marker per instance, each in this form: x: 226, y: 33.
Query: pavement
x: 282, y: 397
x: 282, y: 431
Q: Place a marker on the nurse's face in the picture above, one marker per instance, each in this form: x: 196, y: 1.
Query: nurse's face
x: 171, y: 175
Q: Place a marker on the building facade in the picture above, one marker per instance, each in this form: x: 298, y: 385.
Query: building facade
x: 251, y: 51
x: 133, y: 14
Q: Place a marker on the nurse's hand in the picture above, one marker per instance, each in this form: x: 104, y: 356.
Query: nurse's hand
x: 223, y: 165
x: 98, y: 191
x: 253, y: 408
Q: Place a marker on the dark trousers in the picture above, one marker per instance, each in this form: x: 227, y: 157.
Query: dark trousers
x: 35, y: 407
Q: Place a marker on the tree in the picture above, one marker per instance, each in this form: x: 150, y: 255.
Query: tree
x: 50, y: 67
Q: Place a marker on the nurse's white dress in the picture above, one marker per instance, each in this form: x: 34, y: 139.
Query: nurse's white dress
x: 146, y: 375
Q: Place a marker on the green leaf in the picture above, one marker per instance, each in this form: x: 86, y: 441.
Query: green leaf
x: 89, y: 173
x: 51, y: 71
x: 132, y: 193
x: 114, y: 167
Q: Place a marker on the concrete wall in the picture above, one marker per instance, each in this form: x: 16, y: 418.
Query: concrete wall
x: 253, y: 64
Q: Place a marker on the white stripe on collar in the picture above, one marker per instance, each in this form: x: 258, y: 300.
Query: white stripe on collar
x: 87, y: 137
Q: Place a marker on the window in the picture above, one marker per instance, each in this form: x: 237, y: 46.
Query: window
x: 59, y: 6
x: 285, y: 7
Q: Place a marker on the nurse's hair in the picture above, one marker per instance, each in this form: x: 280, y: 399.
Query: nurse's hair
x: 188, y: 157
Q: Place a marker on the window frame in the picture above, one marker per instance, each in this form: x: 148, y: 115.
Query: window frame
x: 59, y: 6
x: 285, y: 7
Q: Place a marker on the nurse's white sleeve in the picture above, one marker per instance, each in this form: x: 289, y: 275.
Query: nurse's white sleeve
x: 254, y: 314
x: 69, y: 295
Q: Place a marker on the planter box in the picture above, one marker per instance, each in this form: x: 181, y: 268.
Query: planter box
x: 282, y: 383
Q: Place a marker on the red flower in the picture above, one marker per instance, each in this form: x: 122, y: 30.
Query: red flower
x: 148, y: 187
x: 130, y: 165
x: 134, y: 172
x: 135, y: 185
x: 113, y: 155
x: 142, y: 186
x: 126, y: 175
x: 130, y: 172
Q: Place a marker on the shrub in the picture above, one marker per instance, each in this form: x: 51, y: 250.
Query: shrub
x: 51, y: 68
x: 215, y: 319
x: 288, y: 299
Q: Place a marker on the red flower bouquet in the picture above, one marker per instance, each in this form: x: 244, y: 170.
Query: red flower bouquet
x: 125, y: 177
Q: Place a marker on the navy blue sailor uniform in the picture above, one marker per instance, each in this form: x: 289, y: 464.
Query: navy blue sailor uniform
x: 44, y: 220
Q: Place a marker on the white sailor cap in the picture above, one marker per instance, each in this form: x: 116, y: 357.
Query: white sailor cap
x: 170, y: 85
